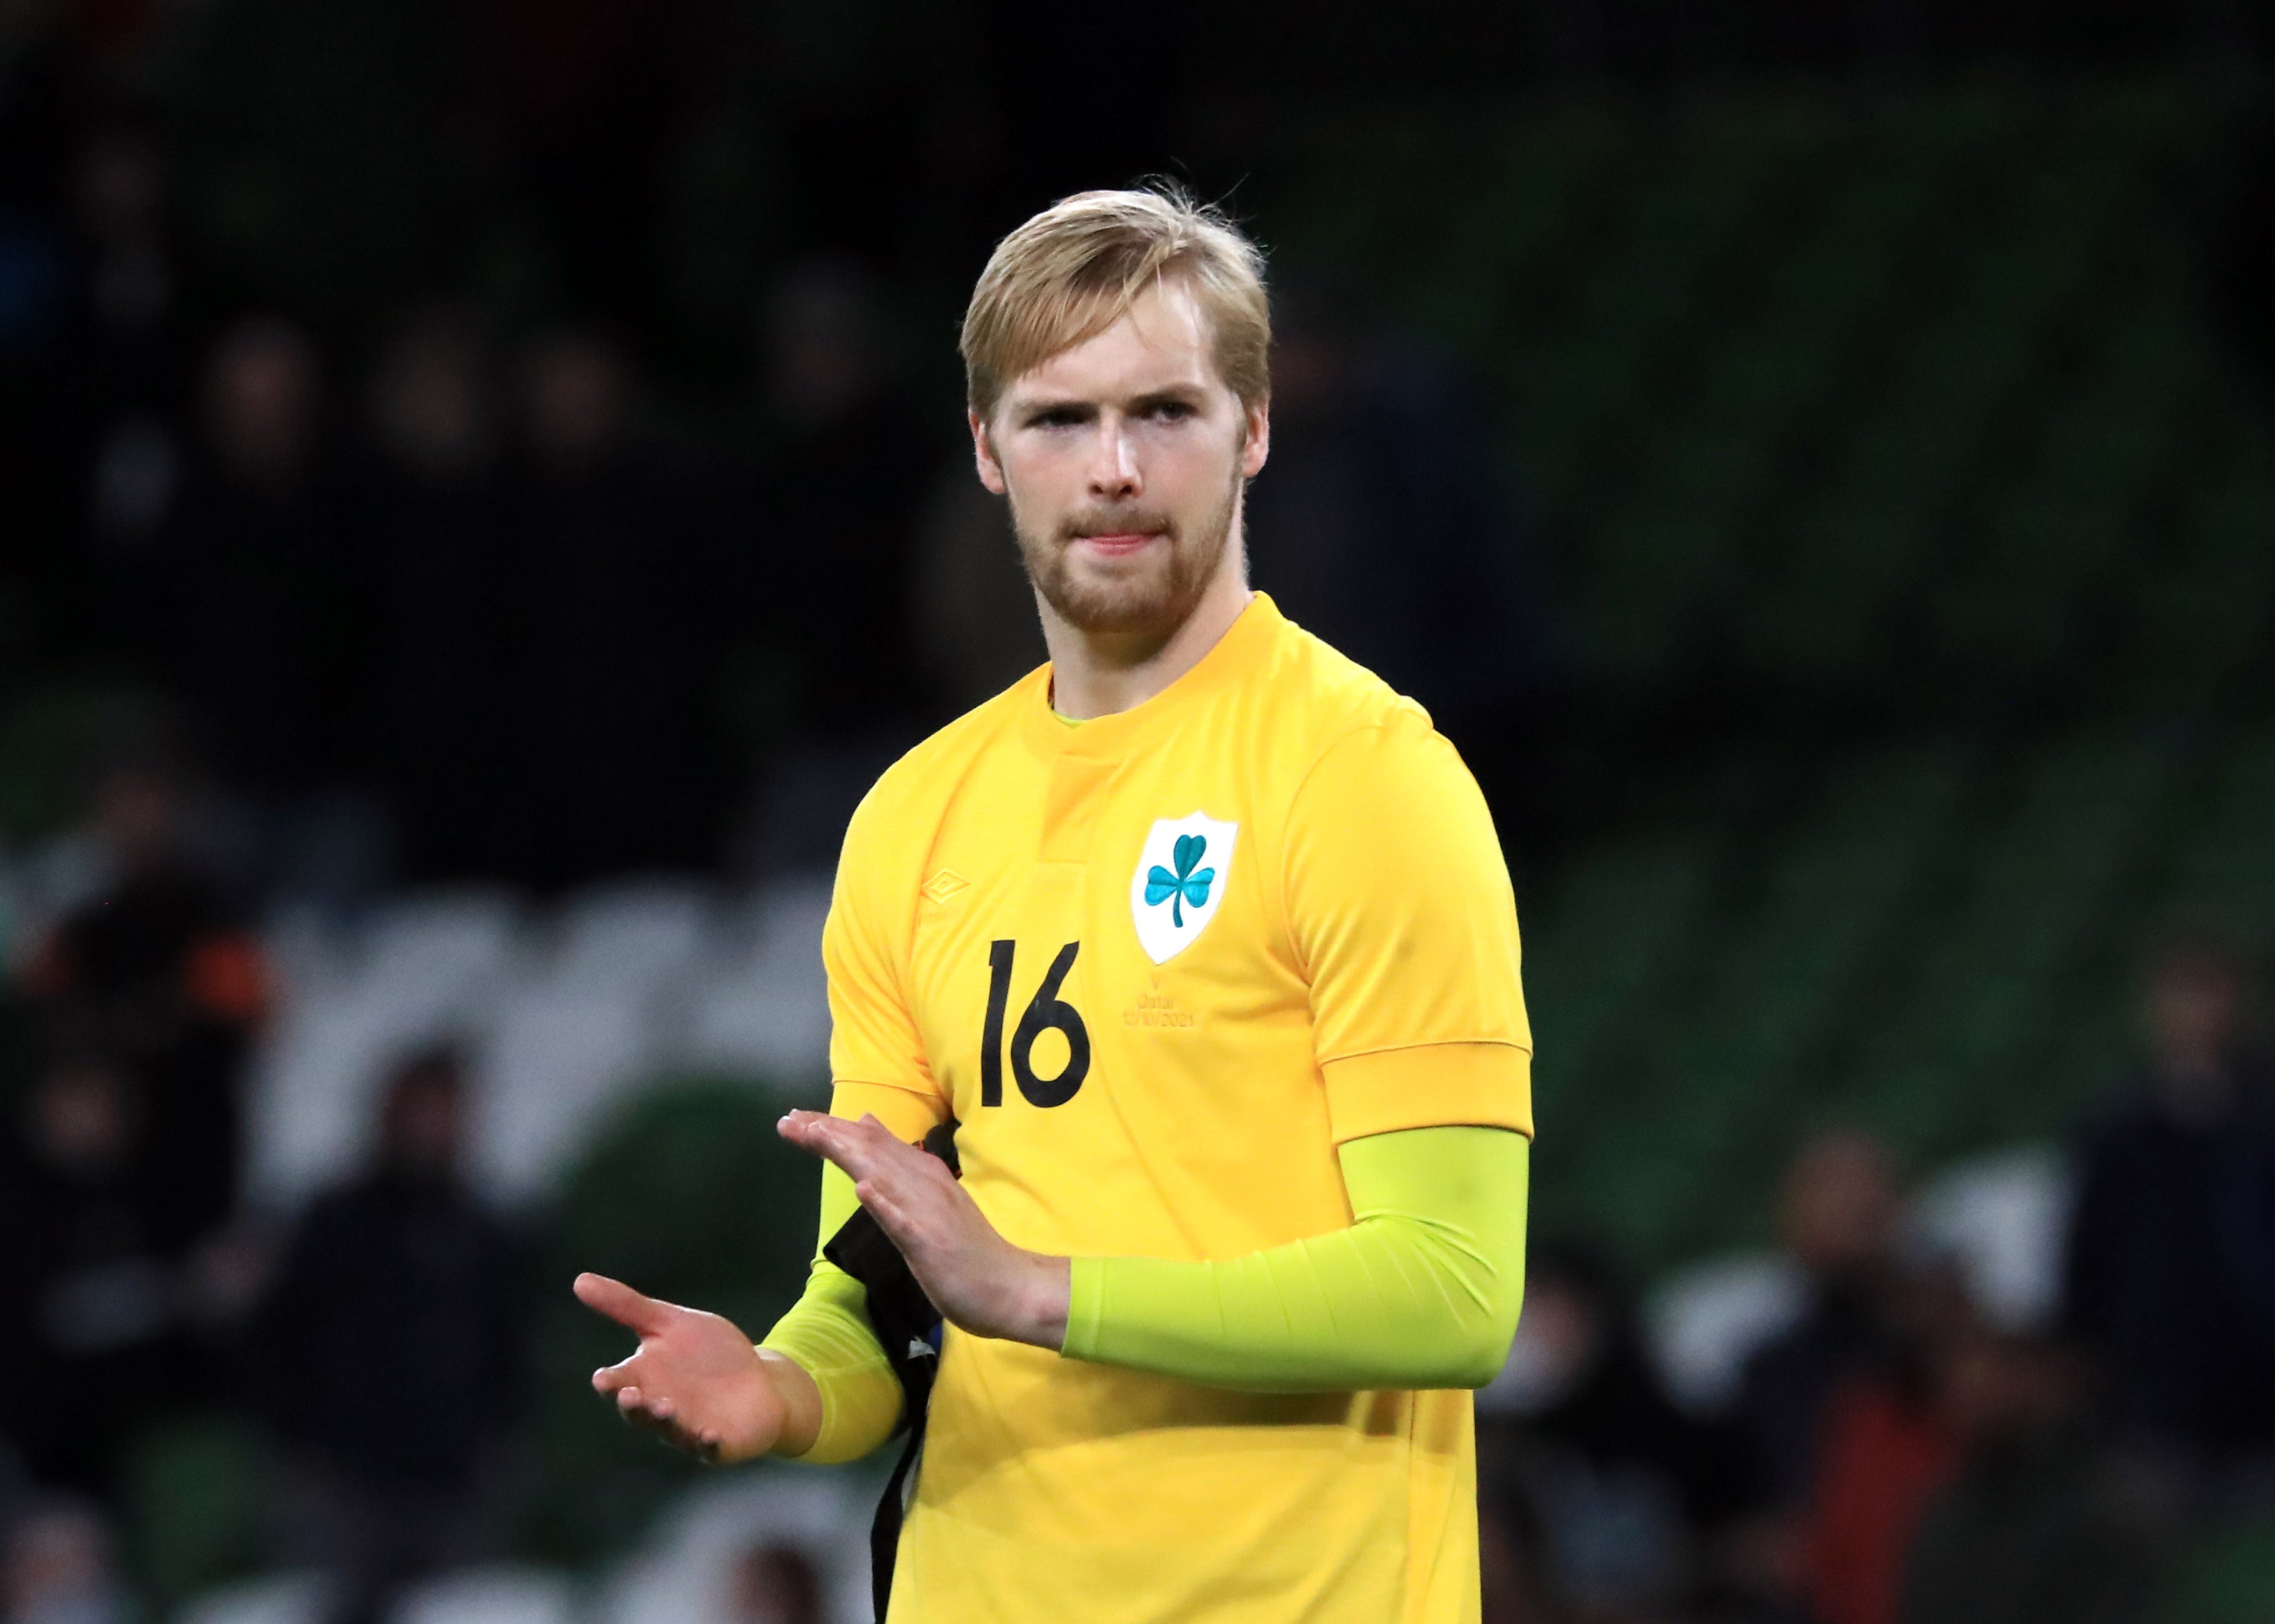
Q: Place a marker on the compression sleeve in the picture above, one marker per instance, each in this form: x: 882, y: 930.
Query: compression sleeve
x: 827, y: 1331
x: 1421, y: 1291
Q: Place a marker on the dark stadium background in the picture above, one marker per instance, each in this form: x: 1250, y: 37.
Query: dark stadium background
x: 481, y: 493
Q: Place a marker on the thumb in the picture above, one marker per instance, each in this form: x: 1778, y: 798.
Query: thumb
x: 641, y: 1316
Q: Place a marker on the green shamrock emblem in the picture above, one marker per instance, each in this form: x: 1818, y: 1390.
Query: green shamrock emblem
x: 1184, y: 885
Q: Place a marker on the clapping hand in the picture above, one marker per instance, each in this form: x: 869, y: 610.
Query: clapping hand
x: 978, y: 1280
x: 698, y: 1383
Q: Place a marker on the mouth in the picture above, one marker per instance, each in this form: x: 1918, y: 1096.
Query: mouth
x: 1120, y: 543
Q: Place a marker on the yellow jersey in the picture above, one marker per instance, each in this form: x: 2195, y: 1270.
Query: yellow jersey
x: 1159, y: 965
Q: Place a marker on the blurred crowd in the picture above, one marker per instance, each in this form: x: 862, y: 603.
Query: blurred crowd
x: 458, y: 593
x: 467, y: 588
x: 1900, y: 1445
x: 439, y: 599
x: 377, y: 1338
x: 1892, y: 1443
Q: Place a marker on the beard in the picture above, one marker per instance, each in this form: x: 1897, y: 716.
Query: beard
x: 1151, y: 594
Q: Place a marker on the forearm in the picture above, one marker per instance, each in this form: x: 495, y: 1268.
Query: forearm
x: 1421, y: 1291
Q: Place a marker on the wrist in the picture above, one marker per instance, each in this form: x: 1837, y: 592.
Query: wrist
x: 1049, y: 1291
x: 800, y: 1402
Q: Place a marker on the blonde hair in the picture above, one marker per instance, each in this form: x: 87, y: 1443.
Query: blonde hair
x: 1069, y: 273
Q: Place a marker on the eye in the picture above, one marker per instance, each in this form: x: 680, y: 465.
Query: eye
x: 1170, y: 410
x: 1057, y: 417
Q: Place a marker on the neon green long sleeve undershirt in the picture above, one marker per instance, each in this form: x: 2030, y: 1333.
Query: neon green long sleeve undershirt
x: 1421, y: 1290
x: 828, y: 1332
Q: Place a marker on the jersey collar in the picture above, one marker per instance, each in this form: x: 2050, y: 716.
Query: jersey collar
x: 1235, y: 654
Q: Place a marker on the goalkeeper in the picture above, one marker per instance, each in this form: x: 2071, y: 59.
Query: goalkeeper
x: 1201, y: 938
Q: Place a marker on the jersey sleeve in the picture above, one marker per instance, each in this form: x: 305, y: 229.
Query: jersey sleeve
x: 872, y: 1031
x: 1400, y: 906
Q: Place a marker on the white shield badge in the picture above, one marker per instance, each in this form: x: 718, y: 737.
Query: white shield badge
x: 1181, y: 877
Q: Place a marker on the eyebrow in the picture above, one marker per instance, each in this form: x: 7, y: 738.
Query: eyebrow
x: 1171, y: 394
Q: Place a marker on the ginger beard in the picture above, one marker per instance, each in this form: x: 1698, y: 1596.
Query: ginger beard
x: 1151, y: 592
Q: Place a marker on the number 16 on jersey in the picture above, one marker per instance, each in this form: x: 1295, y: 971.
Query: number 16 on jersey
x: 1045, y: 1011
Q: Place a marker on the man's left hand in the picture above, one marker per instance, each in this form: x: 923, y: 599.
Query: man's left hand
x: 978, y: 1280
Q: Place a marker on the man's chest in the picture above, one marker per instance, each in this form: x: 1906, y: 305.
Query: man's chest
x: 1084, y: 927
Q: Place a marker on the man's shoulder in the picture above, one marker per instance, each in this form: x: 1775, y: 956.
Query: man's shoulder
x: 1314, y: 696
x: 919, y: 784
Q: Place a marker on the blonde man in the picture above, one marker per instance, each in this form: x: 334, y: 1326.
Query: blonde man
x: 1202, y: 937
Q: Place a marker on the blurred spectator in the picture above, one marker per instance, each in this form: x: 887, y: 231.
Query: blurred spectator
x: 157, y: 971
x: 850, y: 462
x: 1597, y: 1480
x: 242, y: 610
x: 1886, y: 1444
x: 94, y: 1279
x: 92, y: 1348
x: 846, y: 484
x: 119, y: 198
x: 1380, y: 525
x: 612, y: 616
x: 389, y: 1354
x: 437, y: 525
x: 125, y: 358
x: 1838, y: 1220
x: 89, y: 364
x: 1837, y: 1216
x: 778, y: 1584
x: 2031, y: 1531
x: 57, y: 1566
x: 2158, y: 1291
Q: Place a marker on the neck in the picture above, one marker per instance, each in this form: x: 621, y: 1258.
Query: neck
x: 1100, y: 673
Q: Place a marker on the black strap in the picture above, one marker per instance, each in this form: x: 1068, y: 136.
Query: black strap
x: 885, y: 1526
x: 908, y: 1328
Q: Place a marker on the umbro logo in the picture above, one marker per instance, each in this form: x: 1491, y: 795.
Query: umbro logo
x: 944, y: 885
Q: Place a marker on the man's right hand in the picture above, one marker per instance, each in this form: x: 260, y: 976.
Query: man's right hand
x: 698, y: 1384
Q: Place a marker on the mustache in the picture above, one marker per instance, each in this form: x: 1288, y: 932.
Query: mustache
x: 1116, y: 522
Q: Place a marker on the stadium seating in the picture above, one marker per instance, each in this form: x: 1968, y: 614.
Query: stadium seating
x: 2002, y: 1218
x: 1899, y: 411
x: 1774, y: 361
x: 553, y: 1060
x: 490, y: 1595
x: 1894, y: 408
x: 1935, y: 943
x: 632, y: 936
x: 759, y: 1006
x: 286, y: 1596
x: 1704, y: 1320
x: 564, y: 1013
x: 686, y: 1569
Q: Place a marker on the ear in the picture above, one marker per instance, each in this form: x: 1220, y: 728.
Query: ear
x: 1256, y: 445
x: 983, y: 454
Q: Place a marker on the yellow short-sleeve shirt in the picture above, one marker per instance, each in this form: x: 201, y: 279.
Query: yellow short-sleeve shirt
x: 1159, y: 966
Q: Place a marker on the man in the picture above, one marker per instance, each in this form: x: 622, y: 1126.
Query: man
x: 92, y: 1348
x: 159, y: 972
x: 613, y: 643
x: 2166, y: 1256
x: 1838, y: 1212
x: 1203, y: 937
x: 389, y: 1355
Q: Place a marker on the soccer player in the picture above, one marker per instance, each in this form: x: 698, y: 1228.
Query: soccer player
x: 1203, y: 936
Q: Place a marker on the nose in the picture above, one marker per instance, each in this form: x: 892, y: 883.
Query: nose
x: 1113, y: 472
